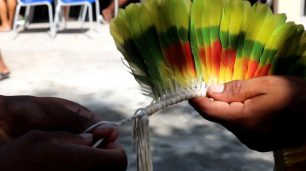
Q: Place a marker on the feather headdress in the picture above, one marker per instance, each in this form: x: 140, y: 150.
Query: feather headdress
x: 176, y: 48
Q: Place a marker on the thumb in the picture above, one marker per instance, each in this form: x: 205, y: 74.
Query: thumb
x: 237, y: 91
x: 65, y: 137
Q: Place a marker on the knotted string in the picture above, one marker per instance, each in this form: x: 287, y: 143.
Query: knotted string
x: 141, y: 123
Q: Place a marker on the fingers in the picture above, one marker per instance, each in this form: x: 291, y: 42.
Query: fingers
x: 238, y: 91
x: 113, y: 157
x: 72, y: 151
x: 78, y: 139
x: 217, y: 111
x: 75, y: 107
x: 63, y: 119
x: 232, y: 101
x: 239, y: 101
x: 67, y: 115
x: 107, y: 132
x: 52, y: 114
x: 61, y: 137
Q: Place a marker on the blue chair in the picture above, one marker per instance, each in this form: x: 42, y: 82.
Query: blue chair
x: 85, y: 4
x: 28, y: 4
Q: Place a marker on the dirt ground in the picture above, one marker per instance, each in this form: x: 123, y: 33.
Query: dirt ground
x: 84, y: 66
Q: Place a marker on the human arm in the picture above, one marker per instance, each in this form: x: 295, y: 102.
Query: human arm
x: 45, y: 134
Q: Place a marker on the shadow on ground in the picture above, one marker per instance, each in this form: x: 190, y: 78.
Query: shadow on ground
x: 183, y: 141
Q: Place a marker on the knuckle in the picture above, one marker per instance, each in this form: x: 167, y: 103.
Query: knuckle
x: 235, y: 88
x: 113, y: 131
x: 268, y: 81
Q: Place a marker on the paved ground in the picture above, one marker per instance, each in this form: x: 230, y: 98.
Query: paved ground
x: 85, y: 67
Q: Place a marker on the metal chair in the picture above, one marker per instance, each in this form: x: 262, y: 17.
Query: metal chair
x: 85, y: 4
x: 28, y: 4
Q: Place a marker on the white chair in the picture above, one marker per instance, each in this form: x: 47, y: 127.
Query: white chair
x: 116, y: 3
x: 85, y: 4
x: 28, y: 4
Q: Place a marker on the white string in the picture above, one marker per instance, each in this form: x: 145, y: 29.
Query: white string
x: 141, y: 123
x: 156, y: 106
x: 141, y: 135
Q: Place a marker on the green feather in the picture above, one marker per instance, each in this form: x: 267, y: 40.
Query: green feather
x: 155, y: 38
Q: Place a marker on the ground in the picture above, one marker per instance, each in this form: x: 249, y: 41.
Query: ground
x: 84, y: 66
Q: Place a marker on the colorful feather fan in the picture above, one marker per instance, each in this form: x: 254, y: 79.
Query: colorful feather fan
x: 174, y: 45
x: 176, y: 48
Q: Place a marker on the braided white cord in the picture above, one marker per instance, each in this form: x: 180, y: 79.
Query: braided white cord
x: 156, y: 106
x: 167, y: 100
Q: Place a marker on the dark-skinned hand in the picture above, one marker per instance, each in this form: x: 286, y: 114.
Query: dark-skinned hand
x: 45, y: 133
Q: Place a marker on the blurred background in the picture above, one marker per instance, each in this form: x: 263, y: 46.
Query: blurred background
x: 77, y: 60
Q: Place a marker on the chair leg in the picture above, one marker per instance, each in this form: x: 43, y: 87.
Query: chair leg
x: 56, y: 19
x: 81, y: 13
x: 98, y: 15
x: 50, y: 19
x: 84, y: 15
x: 61, y: 19
x: 116, y: 7
x: 90, y: 15
x: 16, y: 18
x: 27, y: 17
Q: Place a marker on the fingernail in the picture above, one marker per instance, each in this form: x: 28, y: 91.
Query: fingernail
x: 218, y: 88
x: 87, y: 136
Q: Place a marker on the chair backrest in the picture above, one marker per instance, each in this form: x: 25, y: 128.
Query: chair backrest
x: 34, y: 1
x: 74, y: 1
